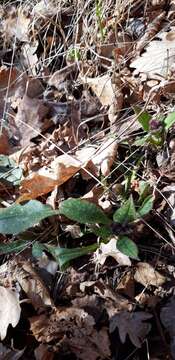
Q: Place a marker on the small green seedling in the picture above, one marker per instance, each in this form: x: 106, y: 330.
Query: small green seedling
x: 100, y: 20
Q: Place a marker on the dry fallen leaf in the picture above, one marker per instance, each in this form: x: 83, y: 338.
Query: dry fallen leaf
x: 4, y: 143
x: 102, y: 87
x: 44, y: 8
x: 65, y: 166
x: 60, y: 75
x: 101, y: 159
x: 110, y: 249
x: 29, y: 118
x: 146, y: 275
x: 61, y: 169
x: 16, y: 25
x: 42, y: 353
x: 10, y: 310
x: 159, y: 55
x: 132, y: 324
x: 8, y: 77
x: 74, y: 329
x: 32, y: 285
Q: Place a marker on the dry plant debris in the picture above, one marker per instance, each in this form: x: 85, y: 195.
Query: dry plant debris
x: 87, y: 193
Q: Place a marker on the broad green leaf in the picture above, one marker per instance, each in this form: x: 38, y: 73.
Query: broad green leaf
x: 143, y: 117
x: 126, y: 213
x: 9, y: 171
x: 169, y: 120
x: 146, y: 206
x: 17, y: 218
x: 127, y: 247
x: 13, y: 247
x: 63, y: 255
x: 83, y: 212
x: 37, y: 249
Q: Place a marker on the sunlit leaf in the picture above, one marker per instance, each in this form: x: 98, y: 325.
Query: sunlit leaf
x: 83, y: 212
x: 169, y: 120
x: 17, y: 218
x: 143, y: 117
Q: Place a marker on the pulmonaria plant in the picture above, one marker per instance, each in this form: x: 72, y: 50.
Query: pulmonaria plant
x: 18, y: 218
x: 155, y: 128
x: 101, y: 225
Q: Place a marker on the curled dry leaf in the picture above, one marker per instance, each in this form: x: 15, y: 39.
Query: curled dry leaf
x: 103, y: 298
x: 32, y: 285
x: 38, y: 183
x: 65, y: 166
x: 132, y: 324
x: 29, y: 58
x: 110, y: 249
x: 10, y: 310
x: 146, y: 275
x: 154, y: 60
x: 73, y: 329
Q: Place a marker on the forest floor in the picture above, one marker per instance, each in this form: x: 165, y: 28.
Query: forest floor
x: 87, y: 180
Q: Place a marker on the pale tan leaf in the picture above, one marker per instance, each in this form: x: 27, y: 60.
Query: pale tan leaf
x: 146, y: 275
x: 16, y: 25
x: 110, y: 249
x: 44, y: 8
x: 101, y: 159
x: 32, y: 284
x: 10, y: 310
x: 105, y: 156
x: 102, y: 87
x: 159, y: 55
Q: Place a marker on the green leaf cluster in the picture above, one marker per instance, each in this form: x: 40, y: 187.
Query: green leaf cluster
x: 17, y: 218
